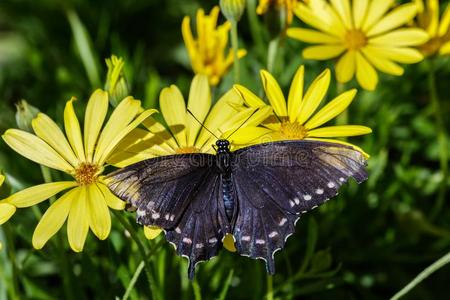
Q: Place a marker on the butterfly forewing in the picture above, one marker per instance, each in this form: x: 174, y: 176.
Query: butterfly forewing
x: 276, y: 182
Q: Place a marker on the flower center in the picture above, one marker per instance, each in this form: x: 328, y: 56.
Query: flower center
x: 293, y: 130
x: 432, y: 46
x: 86, y: 173
x: 355, y: 39
x: 185, y: 150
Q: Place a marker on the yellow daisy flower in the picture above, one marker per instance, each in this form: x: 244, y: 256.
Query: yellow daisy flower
x: 366, y: 36
x: 209, y: 53
x: 184, y: 133
x: 438, y: 30
x: 287, y: 5
x: 295, y: 119
x: 86, y: 203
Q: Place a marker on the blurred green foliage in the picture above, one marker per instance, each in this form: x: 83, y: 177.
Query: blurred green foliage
x: 366, y: 244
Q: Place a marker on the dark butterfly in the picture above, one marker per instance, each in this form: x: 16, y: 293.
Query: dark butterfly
x: 257, y: 194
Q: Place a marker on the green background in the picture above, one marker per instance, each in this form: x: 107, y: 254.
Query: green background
x: 367, y: 243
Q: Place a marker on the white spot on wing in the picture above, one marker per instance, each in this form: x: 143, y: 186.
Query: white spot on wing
x: 273, y: 234
x: 307, y: 197
x: 187, y: 240
x: 331, y: 184
x: 167, y: 217
x: 282, y: 222
x: 246, y: 238
x: 141, y: 213
x: 178, y: 230
x: 199, y: 245
x: 260, y: 242
x: 291, y: 203
x: 341, y: 179
x: 319, y: 191
x: 297, y: 201
x: 155, y: 216
x: 212, y: 240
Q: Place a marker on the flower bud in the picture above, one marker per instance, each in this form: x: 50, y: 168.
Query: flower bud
x: 25, y: 114
x: 232, y: 9
x: 116, y: 84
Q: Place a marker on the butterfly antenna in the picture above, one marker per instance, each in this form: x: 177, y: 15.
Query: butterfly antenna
x: 240, y: 126
x: 201, y: 124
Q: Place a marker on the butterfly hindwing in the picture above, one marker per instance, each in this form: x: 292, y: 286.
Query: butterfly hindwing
x: 198, y: 235
x: 277, y: 182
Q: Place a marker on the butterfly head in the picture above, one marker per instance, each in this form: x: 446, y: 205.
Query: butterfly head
x: 223, y: 146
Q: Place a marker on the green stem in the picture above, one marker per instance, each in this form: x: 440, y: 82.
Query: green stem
x: 133, y: 280
x: 14, y: 288
x: 134, y: 235
x: 67, y: 275
x: 269, y: 295
x: 272, y: 54
x: 235, y: 44
x: 254, y: 24
x: 442, y: 139
x: 423, y: 275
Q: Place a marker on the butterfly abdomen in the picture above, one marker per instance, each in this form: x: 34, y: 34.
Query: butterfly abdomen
x: 228, y: 198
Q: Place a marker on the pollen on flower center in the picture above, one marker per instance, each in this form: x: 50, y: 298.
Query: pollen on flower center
x: 86, y: 173
x: 185, y: 150
x: 293, y: 130
x: 355, y: 39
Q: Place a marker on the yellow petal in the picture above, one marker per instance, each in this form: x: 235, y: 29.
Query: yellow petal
x: 78, y: 221
x: 35, y: 149
x: 359, y: 12
x: 314, y: 96
x: 151, y: 232
x: 342, y: 7
x: 47, y: 130
x: 6, y: 212
x: 445, y: 49
x: 124, y: 113
x: 332, y: 109
x: 173, y: 109
x: 312, y: 36
x: 401, y: 37
x: 96, y: 110
x: 365, y: 73
x: 99, y: 217
x: 248, y: 135
x: 188, y: 38
x: 433, y: 15
x: 342, y: 143
x: 274, y: 93
x: 323, y: 52
x: 296, y: 94
x: 222, y: 111
x: 199, y: 104
x: 53, y: 219
x: 444, y: 27
x: 36, y: 194
x: 396, y: 18
x: 376, y: 10
x: 401, y: 55
x: 345, y: 67
x: 111, y: 200
x: 120, y: 135
x: 228, y: 243
x: 73, y: 131
x: 339, y: 131
x: 158, y: 129
x: 381, y: 63
x: 319, y: 17
x: 249, y: 97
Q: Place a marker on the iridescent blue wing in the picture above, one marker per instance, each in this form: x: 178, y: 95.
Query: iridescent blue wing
x: 276, y: 182
x: 180, y: 194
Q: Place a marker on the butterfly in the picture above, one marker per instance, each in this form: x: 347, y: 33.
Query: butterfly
x: 256, y: 193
